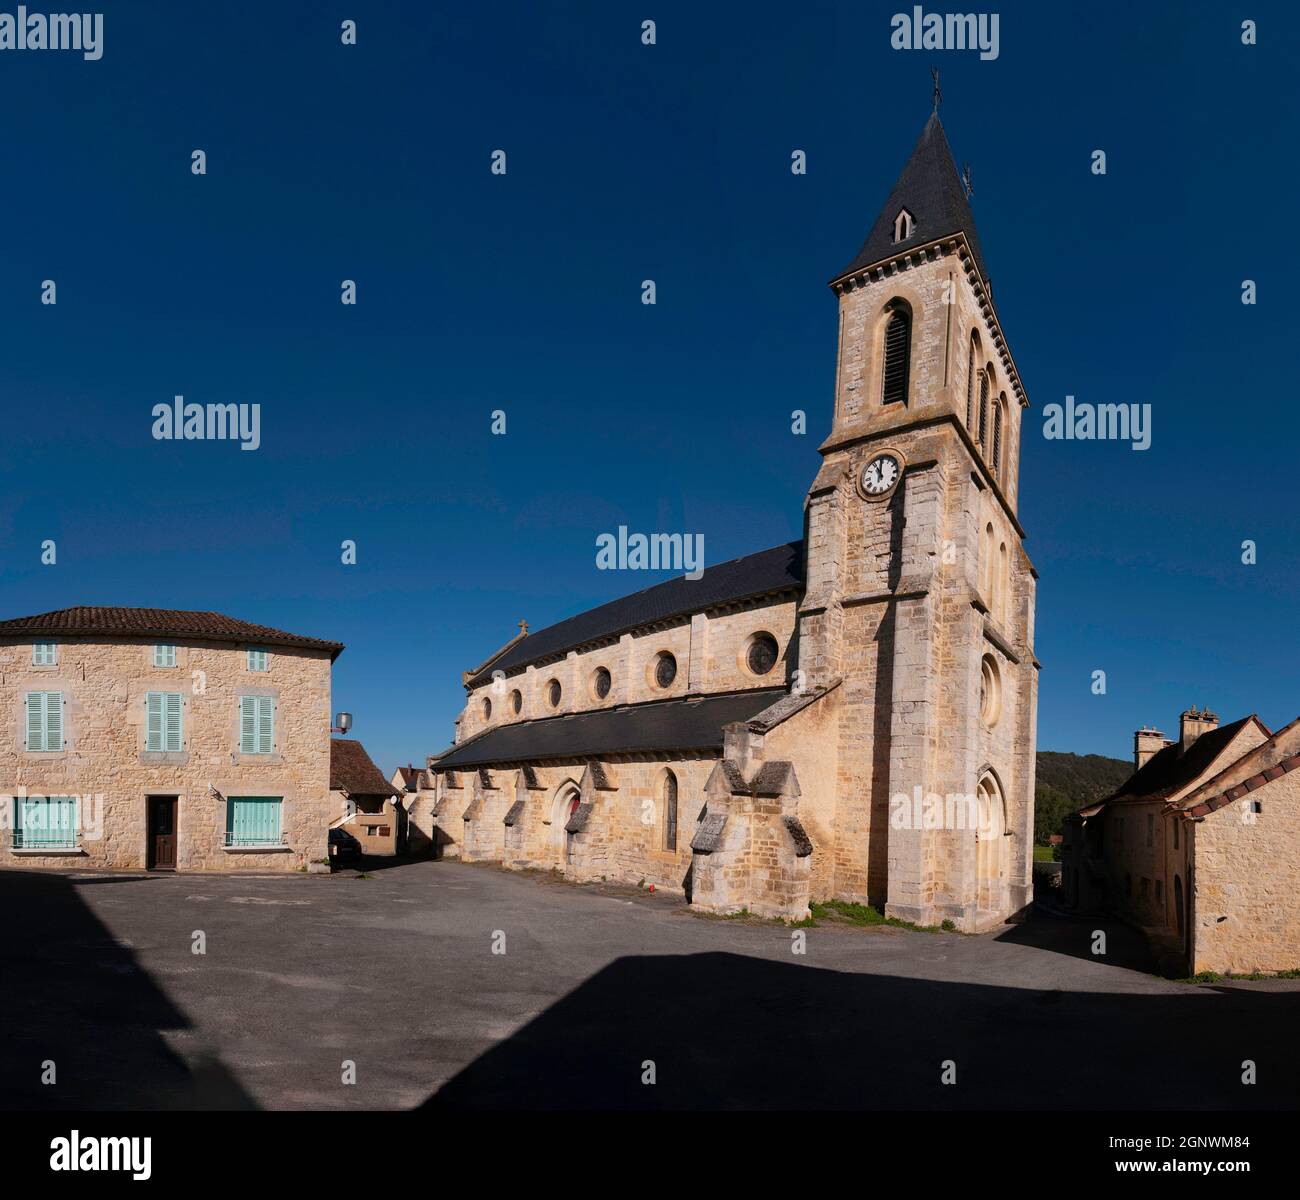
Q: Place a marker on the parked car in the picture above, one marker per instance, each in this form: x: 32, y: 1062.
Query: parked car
x: 343, y: 846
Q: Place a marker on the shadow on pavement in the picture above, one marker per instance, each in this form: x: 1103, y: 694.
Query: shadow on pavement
x: 726, y: 1031
x: 75, y: 997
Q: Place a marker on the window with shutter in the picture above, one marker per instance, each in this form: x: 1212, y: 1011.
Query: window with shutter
x: 258, y: 660
x: 44, y: 654
x: 45, y: 823
x: 253, y: 821
x: 44, y: 721
x: 256, y: 724
x: 163, y: 726
x: 164, y: 656
x: 898, y: 347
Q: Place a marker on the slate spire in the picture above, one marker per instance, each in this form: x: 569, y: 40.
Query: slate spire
x: 931, y: 191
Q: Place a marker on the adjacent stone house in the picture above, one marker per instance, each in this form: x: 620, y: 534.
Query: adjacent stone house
x: 369, y: 807
x: 1200, y: 847
x: 419, y: 797
x: 850, y: 715
x: 159, y: 738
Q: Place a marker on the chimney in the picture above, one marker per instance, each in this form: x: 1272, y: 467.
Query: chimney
x: 1193, y: 723
x: 1146, y: 742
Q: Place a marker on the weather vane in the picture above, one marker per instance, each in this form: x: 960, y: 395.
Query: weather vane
x: 938, y: 95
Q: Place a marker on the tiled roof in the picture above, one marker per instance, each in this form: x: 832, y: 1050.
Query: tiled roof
x: 661, y: 725
x: 413, y: 779
x: 352, y: 770
x: 930, y: 189
x: 1169, y: 770
x: 773, y: 570
x: 1214, y: 803
x: 93, y: 621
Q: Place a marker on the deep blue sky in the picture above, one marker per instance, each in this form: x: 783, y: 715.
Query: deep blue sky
x: 522, y: 293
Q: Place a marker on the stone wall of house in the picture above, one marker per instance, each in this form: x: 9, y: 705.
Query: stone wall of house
x: 710, y: 649
x: 104, y: 756
x: 1246, y: 882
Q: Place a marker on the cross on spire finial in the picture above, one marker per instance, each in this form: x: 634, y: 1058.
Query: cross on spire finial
x: 938, y: 95
x: 523, y: 627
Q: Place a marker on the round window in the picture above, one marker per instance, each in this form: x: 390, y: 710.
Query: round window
x: 516, y: 701
x: 553, y: 693
x: 665, y: 669
x: 601, y: 683
x: 763, y: 653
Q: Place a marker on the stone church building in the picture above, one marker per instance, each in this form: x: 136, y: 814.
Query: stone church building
x: 850, y: 716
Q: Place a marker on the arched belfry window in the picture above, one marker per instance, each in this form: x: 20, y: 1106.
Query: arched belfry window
x: 970, y: 378
x: 984, y: 406
x: 997, y: 438
x: 897, y: 354
x: 903, y: 225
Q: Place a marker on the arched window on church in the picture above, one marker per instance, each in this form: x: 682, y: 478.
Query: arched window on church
x: 903, y: 225
x: 971, y: 367
x: 997, y: 439
x: 984, y: 407
x: 897, y: 354
x: 986, y: 565
x: 670, y: 811
x: 1003, y: 581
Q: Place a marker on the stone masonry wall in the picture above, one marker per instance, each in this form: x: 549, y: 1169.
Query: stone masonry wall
x: 1246, y: 906
x: 104, y: 686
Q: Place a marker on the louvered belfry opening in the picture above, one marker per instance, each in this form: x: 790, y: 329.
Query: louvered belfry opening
x: 898, y: 352
x: 984, y: 408
x: 997, y: 437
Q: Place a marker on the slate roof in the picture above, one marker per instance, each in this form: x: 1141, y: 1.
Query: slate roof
x: 352, y: 770
x: 1169, y: 770
x: 767, y: 571
x: 95, y: 621
x: 931, y: 190
x: 660, y: 725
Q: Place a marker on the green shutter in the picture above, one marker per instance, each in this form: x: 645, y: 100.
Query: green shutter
x: 153, y: 721
x: 163, y: 730
x: 172, y: 732
x: 248, y: 724
x: 46, y: 823
x: 253, y: 821
x: 35, y: 720
x: 266, y: 725
x: 54, y: 720
x: 44, y: 720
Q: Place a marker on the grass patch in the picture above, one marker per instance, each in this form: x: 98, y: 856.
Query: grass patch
x: 866, y: 914
x: 1044, y: 854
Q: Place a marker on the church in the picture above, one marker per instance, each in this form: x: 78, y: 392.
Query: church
x: 756, y: 738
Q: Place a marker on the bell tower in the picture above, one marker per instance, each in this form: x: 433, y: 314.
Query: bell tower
x: 919, y: 596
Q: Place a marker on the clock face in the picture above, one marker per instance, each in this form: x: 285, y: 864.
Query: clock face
x: 880, y: 474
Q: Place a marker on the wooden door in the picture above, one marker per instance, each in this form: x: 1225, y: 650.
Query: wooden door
x: 162, y: 832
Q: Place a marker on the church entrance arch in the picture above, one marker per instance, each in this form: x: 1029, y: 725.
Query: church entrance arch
x: 990, y: 845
